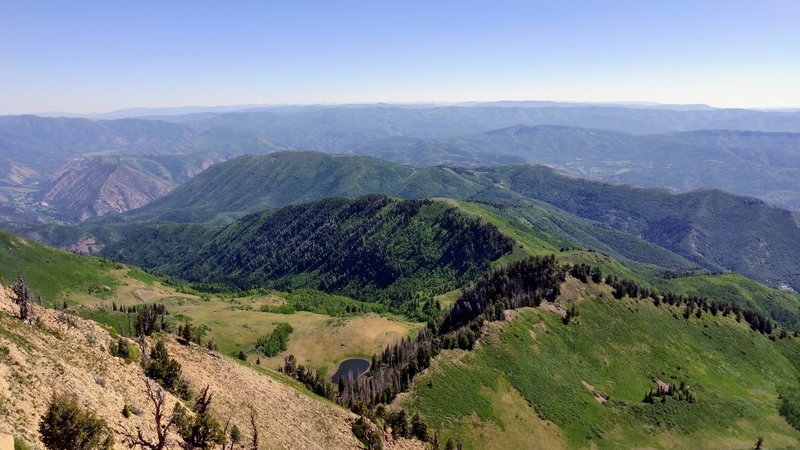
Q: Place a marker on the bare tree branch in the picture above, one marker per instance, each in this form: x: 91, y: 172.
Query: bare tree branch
x: 163, y: 422
x: 255, y: 429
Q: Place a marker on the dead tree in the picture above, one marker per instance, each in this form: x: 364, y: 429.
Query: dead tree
x: 163, y: 422
x: 23, y: 296
x: 255, y: 430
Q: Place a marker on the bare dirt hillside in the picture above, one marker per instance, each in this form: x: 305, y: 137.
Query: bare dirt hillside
x: 63, y: 353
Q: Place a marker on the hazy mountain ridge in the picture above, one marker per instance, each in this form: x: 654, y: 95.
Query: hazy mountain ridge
x: 65, y: 162
x: 751, y: 163
x: 759, y: 164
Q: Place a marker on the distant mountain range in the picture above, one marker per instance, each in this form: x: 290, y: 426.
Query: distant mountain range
x: 682, y: 147
x: 759, y: 164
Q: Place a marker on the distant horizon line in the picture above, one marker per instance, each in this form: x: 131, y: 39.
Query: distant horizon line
x: 221, y: 108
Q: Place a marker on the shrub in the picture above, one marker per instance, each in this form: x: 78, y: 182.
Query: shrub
x: 66, y: 425
x: 125, y: 350
x: 201, y: 431
x: 790, y: 407
x: 367, y: 433
x: 276, y: 342
x: 19, y: 444
x: 162, y: 368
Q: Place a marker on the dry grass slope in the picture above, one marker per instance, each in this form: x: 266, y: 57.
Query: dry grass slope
x: 66, y: 353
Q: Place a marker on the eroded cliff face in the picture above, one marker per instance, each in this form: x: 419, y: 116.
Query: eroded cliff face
x: 127, y: 188
x: 100, y: 185
x: 97, y: 186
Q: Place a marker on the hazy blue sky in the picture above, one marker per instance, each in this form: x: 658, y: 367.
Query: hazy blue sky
x: 99, y: 56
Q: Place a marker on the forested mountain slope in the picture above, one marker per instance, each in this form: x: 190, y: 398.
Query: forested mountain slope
x: 712, y: 229
x: 592, y: 371
x: 371, y: 248
x: 522, y: 339
x: 254, y: 183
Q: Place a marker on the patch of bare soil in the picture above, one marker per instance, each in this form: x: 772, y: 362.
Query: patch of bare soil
x: 553, y: 308
x: 599, y: 398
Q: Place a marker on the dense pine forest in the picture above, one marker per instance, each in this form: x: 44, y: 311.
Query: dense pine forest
x: 399, y: 253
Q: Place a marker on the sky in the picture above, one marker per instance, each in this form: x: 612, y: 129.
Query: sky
x: 99, y: 56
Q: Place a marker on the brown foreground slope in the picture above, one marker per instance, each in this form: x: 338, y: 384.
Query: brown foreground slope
x: 64, y: 353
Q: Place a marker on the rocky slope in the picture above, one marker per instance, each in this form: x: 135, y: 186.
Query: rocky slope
x: 63, y: 353
x: 98, y: 185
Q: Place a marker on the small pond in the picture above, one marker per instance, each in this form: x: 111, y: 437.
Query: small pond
x: 355, y: 366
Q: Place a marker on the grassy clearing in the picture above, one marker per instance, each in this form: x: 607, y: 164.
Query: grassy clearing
x: 236, y: 324
x: 618, y: 348
x: 91, y: 285
x: 318, y: 340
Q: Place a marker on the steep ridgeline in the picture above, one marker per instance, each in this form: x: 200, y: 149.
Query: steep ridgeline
x: 371, y: 248
x: 712, y: 229
x: 39, y: 145
x: 63, y: 353
x: 603, y: 370
x: 254, y: 183
x: 552, y: 357
x: 67, y: 169
x: 35, y: 146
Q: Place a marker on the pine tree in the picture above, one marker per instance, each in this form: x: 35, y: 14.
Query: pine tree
x: 162, y: 368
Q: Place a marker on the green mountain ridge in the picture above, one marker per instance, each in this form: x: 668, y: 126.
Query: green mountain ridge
x: 371, y: 248
x: 639, y: 145
x: 711, y: 229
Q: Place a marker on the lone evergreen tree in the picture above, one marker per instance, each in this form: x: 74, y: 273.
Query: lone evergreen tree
x: 162, y: 368
x: 66, y: 425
